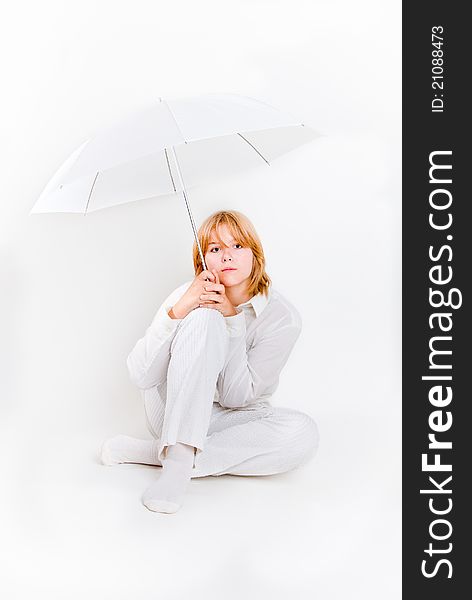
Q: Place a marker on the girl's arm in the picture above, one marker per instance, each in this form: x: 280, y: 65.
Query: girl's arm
x: 248, y: 375
x: 149, y: 360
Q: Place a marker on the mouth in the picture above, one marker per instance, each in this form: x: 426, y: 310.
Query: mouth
x: 229, y: 269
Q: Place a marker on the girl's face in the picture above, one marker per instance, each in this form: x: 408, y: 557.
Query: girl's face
x: 229, y: 255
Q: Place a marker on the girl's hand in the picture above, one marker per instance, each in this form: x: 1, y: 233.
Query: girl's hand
x: 191, y: 298
x: 214, y: 296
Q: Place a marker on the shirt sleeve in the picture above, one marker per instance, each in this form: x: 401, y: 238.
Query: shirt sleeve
x: 250, y: 374
x: 149, y: 360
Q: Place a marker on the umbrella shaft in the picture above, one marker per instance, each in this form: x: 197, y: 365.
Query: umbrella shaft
x: 184, y: 192
x: 194, y: 230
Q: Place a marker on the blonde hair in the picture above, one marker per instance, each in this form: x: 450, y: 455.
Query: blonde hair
x: 244, y: 233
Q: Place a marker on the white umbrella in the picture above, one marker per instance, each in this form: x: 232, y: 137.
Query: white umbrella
x: 146, y: 154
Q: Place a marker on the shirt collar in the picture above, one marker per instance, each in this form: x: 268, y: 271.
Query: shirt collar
x: 258, y: 302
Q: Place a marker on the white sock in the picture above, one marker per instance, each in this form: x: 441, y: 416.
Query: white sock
x: 126, y: 449
x: 167, y: 493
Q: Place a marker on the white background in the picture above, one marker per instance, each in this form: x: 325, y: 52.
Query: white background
x: 77, y: 293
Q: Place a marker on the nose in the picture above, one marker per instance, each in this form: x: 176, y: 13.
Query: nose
x: 226, y: 255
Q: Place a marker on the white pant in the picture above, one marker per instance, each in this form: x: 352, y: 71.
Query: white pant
x: 258, y: 439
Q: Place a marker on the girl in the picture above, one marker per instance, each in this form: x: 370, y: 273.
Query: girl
x: 208, y: 366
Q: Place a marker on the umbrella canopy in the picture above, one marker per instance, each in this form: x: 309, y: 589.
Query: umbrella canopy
x: 153, y: 150
x: 212, y: 135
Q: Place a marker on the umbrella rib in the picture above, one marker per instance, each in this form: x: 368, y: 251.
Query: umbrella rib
x: 252, y: 146
x: 91, y: 190
x: 170, y: 172
x: 172, y: 115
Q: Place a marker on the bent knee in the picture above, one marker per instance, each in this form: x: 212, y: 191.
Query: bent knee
x: 203, y: 312
x: 307, y: 436
x: 302, y: 436
x: 204, y: 318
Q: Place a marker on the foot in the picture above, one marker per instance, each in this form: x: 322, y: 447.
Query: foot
x: 167, y: 493
x: 126, y: 449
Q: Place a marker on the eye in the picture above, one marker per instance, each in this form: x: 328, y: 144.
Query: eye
x: 217, y: 248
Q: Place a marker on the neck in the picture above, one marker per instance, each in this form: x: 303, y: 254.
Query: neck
x: 237, y: 294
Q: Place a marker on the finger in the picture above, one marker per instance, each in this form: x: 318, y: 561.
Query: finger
x: 208, y: 274
x: 214, y: 287
x: 209, y: 296
x: 217, y: 279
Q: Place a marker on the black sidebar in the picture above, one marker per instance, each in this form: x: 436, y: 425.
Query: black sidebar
x: 437, y: 332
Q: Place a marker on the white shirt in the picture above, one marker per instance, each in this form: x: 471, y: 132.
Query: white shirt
x: 261, y: 337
